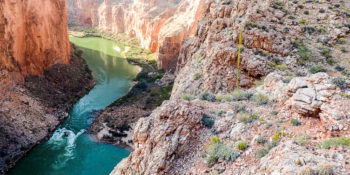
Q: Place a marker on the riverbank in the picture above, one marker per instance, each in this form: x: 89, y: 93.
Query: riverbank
x: 150, y: 88
x: 31, y: 110
x: 115, y: 124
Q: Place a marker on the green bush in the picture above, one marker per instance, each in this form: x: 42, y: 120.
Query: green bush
x: 242, y: 145
x: 282, y: 67
x: 197, y: 76
x: 187, y: 97
x: 295, y: 122
x: 271, y: 145
x: 342, y: 141
x: 239, y: 107
x: 238, y: 95
x: 245, y: 117
x: 340, y: 82
x: 262, y: 152
x: 316, y: 69
x: 288, y: 79
x: 216, y: 149
x: 261, y: 140
x: 208, y: 96
x: 207, y: 121
x: 260, y: 99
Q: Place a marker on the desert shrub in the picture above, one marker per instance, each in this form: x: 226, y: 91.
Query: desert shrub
x: 316, y: 69
x: 207, y: 121
x: 208, y: 96
x: 301, y: 140
x: 326, y: 52
x: 271, y: 145
x: 239, y: 95
x: 217, y: 149
x: 282, y: 67
x: 340, y: 82
x: 288, y: 79
x: 295, y: 122
x: 325, y: 169
x: 322, y: 10
x: 261, y: 140
x: 260, y: 99
x: 187, y: 97
x: 303, y: 51
x: 274, y: 112
x: 276, y: 136
x: 245, y: 117
x: 262, y: 152
x: 197, y: 76
x: 221, y: 113
x: 242, y: 145
x: 239, y: 107
x: 339, y: 68
x: 306, y: 170
x: 342, y: 141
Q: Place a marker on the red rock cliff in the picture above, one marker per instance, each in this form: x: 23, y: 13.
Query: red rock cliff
x: 33, y: 35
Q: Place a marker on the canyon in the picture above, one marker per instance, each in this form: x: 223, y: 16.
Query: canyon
x: 282, y: 108
x: 159, y: 25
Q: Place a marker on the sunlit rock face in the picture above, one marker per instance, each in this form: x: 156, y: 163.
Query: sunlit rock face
x: 159, y: 25
x: 33, y: 35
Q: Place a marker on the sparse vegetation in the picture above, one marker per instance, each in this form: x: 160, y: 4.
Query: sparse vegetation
x: 264, y: 151
x: 238, y: 95
x: 242, y: 145
x: 342, y: 141
x: 207, y: 121
x: 187, y: 97
x: 316, y: 69
x: 217, y: 149
x: 340, y: 82
x: 260, y: 99
x: 295, y: 122
x: 261, y: 140
x: 208, y: 96
x: 245, y: 117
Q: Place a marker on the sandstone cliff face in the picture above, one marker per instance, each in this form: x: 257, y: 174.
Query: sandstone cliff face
x: 282, y: 40
x: 33, y: 35
x: 159, y: 25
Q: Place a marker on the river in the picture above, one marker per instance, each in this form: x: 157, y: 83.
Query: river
x: 70, y: 150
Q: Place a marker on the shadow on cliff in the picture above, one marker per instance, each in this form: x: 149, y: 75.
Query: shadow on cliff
x: 60, y: 86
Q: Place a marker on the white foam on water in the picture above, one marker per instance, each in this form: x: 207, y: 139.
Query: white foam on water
x: 64, y: 139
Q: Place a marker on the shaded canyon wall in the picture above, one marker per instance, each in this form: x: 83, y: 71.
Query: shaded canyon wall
x: 33, y: 35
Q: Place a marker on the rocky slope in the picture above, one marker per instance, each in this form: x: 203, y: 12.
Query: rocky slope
x: 159, y: 25
x: 40, y: 79
x: 281, y: 124
x: 33, y: 35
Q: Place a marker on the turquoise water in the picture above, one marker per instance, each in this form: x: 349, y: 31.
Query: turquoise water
x: 71, y: 151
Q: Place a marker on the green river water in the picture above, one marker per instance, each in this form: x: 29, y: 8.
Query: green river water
x: 78, y: 153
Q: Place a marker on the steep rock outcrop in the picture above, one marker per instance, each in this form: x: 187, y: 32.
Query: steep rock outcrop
x: 159, y: 25
x: 40, y: 79
x: 33, y: 35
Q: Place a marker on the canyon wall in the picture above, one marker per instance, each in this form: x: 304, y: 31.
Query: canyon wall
x: 159, y: 25
x: 40, y: 79
x: 33, y: 35
x: 203, y: 126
